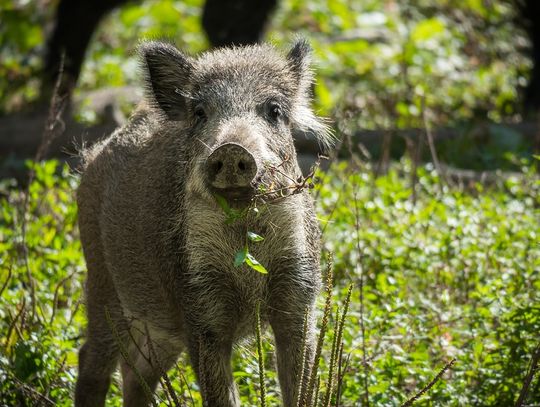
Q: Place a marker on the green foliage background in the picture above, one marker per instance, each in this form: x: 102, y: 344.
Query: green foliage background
x: 380, y: 58
x: 455, y: 274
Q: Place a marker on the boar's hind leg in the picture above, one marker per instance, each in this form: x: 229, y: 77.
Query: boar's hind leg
x: 211, y: 359
x: 98, y: 357
x: 151, y: 358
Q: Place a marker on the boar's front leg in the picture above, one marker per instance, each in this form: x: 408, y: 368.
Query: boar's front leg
x: 211, y: 359
x: 286, y: 313
x: 290, y: 356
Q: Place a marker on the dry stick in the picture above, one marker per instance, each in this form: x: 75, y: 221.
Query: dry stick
x: 382, y: 164
x: 317, y: 388
x: 414, y: 398
x: 170, y: 391
x: 308, y: 397
x: 56, y: 375
x: 10, y: 270
x: 167, y: 396
x: 334, y: 207
x: 183, y: 377
x: 75, y: 310
x: 29, y: 390
x: 125, y: 354
x: 56, y: 108
x: 414, y: 149
x: 360, y: 271
x: 339, y: 350
x: 260, y: 354
x: 342, y: 368
x: 56, y: 292
x: 302, y: 380
x: 337, y: 346
x: 533, y: 367
x: 432, y: 149
x: 333, y: 356
x: 13, y: 324
x: 165, y: 383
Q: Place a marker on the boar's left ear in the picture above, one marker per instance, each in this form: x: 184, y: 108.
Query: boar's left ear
x: 299, y: 59
x: 167, y: 72
x: 304, y: 121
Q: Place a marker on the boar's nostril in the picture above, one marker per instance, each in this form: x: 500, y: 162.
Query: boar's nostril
x: 218, y: 166
x: 241, y: 166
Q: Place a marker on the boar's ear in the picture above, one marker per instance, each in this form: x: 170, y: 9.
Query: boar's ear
x: 305, y: 124
x: 167, y: 72
x: 299, y: 59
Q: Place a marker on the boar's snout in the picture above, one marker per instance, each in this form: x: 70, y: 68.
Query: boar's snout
x: 230, y: 171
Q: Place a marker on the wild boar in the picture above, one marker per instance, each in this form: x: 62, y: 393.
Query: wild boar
x: 160, y: 249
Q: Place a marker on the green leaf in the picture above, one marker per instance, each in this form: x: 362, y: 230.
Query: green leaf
x: 254, y: 237
x: 254, y: 264
x: 232, y: 214
x: 240, y: 257
x: 222, y: 202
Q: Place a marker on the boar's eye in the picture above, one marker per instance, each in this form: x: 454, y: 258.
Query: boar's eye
x: 274, y: 111
x: 199, y: 113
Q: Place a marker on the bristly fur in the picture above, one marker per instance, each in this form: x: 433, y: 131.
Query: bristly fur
x: 159, y: 248
x: 164, y: 64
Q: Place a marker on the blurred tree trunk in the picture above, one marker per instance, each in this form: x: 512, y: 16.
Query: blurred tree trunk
x: 530, y: 21
x: 226, y: 22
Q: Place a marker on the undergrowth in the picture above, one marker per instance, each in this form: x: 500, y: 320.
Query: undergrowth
x: 453, y: 275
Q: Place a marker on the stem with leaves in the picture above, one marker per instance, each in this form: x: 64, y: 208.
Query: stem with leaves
x: 260, y: 355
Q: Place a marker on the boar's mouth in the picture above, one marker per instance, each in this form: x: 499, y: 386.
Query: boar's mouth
x: 238, y: 195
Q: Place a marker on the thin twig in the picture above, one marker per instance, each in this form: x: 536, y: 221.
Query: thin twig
x: 10, y: 270
x: 260, y: 355
x: 432, y: 149
x: 302, y: 379
x: 183, y: 377
x: 324, y: 325
x: 360, y: 272
x: 153, y: 355
x: 125, y: 354
x: 342, y: 369
x: 339, y: 349
x: 56, y: 292
x: 333, y: 355
x: 414, y: 398
x: 56, y: 109
x: 414, y: 148
x: 25, y: 388
x: 531, y: 371
x: 13, y: 323
x: 56, y: 375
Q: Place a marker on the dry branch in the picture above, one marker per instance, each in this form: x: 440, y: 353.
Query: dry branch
x: 414, y: 398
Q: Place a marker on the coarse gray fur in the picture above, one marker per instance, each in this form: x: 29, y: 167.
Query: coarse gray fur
x: 158, y: 250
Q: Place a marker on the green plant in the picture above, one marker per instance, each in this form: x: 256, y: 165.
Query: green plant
x: 454, y: 275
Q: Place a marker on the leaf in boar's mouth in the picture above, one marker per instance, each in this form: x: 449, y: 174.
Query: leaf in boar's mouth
x: 232, y: 214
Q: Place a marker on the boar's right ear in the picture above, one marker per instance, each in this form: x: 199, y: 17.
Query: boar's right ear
x: 299, y: 59
x: 167, y: 72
